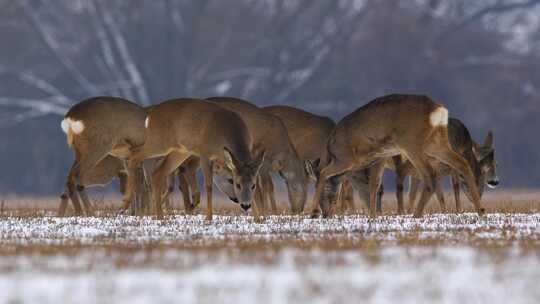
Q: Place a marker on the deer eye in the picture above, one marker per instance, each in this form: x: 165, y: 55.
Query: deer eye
x: 253, y: 187
x: 230, y: 181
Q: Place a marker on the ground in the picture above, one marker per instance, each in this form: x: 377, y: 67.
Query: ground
x: 443, y: 258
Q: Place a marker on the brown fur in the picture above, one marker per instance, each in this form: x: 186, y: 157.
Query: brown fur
x: 389, y: 126
x: 181, y: 128
x: 112, y: 126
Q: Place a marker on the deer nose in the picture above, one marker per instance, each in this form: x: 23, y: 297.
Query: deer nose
x: 245, y: 207
x: 234, y: 199
x: 493, y: 183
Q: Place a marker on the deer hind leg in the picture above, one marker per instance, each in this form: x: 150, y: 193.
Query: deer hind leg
x: 88, y: 208
x: 446, y: 155
x: 160, y: 174
x: 420, y: 163
x: 70, y: 192
x: 457, y: 192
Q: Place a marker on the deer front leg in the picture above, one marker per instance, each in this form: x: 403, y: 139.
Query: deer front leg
x: 159, y: 177
x: 375, y: 175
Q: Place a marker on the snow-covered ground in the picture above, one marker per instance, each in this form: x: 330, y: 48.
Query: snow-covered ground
x: 437, y: 259
x: 139, y: 230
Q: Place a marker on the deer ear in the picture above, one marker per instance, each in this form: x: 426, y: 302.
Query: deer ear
x: 258, y: 160
x: 229, y: 159
x: 308, y: 166
x: 476, y: 150
x: 488, y: 142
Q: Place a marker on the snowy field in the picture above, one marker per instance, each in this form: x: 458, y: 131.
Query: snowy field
x: 441, y: 258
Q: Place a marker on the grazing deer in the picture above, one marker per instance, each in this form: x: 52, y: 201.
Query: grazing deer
x: 410, y: 125
x: 480, y: 158
x: 101, y: 174
x: 269, y: 133
x: 96, y: 129
x: 180, y: 128
x: 309, y: 133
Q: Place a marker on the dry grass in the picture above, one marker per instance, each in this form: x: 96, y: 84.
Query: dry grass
x: 501, y: 202
x: 515, y: 201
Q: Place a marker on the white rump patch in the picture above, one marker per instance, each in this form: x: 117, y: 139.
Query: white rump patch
x: 146, y: 122
x: 439, y: 117
x: 77, y: 126
x: 65, y: 124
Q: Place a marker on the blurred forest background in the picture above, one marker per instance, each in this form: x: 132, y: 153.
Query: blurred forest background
x: 480, y: 58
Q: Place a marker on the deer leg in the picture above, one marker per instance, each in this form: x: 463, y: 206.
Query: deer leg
x: 360, y: 182
x: 184, y: 188
x: 427, y: 173
x: 160, y: 174
x: 206, y: 166
x: 133, y: 163
x: 400, y: 177
x: 375, y: 175
x: 83, y: 163
x: 347, y: 197
x: 268, y: 187
x: 335, y: 167
x: 258, y: 201
x: 380, y: 194
x: 187, y: 177
x: 457, y: 192
x: 170, y: 181
x: 191, y: 177
x: 454, y: 160
x: 69, y: 191
x: 414, y: 184
x: 88, y: 208
x: 427, y: 192
x: 440, y: 196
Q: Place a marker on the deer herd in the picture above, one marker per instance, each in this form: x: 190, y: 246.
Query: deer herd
x: 238, y: 145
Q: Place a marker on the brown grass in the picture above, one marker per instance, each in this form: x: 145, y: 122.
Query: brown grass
x: 515, y: 201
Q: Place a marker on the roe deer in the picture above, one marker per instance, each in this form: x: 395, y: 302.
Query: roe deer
x: 411, y: 125
x: 101, y: 174
x: 97, y: 128
x: 196, y: 127
x: 309, y: 133
x: 481, y: 159
x: 270, y: 134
